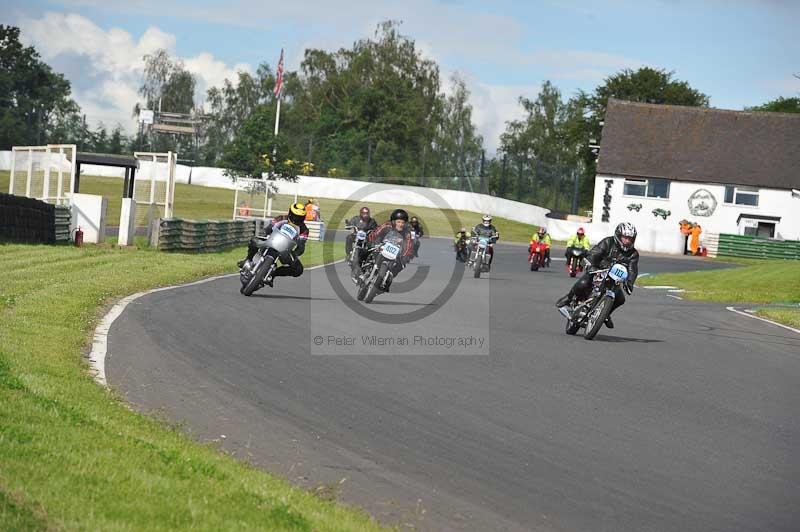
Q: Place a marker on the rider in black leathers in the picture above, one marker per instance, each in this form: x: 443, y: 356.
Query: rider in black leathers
x: 617, y: 248
x: 362, y: 222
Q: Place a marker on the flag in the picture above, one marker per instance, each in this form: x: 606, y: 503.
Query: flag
x: 279, y: 77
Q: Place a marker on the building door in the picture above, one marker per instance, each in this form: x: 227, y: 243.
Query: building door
x: 765, y: 230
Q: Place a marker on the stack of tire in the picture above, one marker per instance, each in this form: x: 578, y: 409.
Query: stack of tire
x: 26, y: 220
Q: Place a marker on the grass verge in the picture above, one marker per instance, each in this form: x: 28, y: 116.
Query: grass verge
x: 208, y: 203
x: 72, y: 455
x: 755, y: 282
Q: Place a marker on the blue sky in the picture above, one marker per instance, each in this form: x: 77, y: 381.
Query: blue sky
x: 739, y: 52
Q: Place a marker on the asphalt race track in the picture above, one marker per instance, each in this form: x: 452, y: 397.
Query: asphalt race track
x: 682, y: 418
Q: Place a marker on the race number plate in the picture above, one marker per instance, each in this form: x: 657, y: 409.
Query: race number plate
x: 288, y: 230
x: 390, y: 251
x: 483, y: 242
x: 618, y: 272
x: 361, y: 235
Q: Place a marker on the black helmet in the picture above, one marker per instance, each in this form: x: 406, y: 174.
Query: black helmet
x: 399, y: 214
x: 627, y: 231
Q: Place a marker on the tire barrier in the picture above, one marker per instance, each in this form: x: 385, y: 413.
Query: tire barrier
x: 33, y: 221
x: 200, y: 236
x: 757, y: 248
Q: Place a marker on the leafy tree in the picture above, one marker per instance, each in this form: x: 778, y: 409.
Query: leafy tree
x: 35, y: 103
x: 458, y: 147
x: 779, y: 105
x: 256, y: 151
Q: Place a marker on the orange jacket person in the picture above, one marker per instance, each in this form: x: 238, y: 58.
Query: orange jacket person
x: 694, y: 243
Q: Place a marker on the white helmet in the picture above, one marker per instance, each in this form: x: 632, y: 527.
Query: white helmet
x: 487, y: 220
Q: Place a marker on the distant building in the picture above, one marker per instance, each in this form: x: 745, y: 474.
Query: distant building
x: 732, y: 172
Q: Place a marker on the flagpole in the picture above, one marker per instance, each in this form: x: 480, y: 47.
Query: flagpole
x: 278, y: 95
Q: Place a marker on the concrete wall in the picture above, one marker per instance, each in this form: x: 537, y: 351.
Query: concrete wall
x: 659, y: 235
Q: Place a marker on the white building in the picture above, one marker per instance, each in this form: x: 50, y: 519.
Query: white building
x: 735, y: 172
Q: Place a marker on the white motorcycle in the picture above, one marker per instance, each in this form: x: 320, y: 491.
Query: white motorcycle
x: 259, y: 270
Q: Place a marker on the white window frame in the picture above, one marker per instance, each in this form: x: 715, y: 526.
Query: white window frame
x: 646, y: 182
x: 750, y: 191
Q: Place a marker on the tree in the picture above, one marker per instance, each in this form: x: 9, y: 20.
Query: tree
x: 35, y: 103
x: 779, y: 105
x: 543, y: 147
x: 457, y: 146
x: 166, y: 87
x: 250, y: 154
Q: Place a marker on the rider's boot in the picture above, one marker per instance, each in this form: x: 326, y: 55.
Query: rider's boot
x: 609, y: 323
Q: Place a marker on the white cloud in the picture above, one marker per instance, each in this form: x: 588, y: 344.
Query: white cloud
x: 492, y: 106
x: 112, y: 60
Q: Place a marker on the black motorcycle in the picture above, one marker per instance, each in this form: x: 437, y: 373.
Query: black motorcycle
x: 593, y: 311
x: 376, y: 272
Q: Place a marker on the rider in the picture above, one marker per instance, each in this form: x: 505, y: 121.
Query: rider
x: 618, y: 248
x: 290, y: 261
x: 544, y: 237
x: 487, y: 230
x: 578, y: 241
x: 460, y: 243
x: 362, y: 222
x: 417, y: 228
x: 396, y: 231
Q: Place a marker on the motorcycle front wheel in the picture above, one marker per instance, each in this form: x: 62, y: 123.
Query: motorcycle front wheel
x: 374, y: 289
x: 597, y: 317
x: 258, y: 276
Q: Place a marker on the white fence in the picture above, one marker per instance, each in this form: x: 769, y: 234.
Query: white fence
x: 45, y: 173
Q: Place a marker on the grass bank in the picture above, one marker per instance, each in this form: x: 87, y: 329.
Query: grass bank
x: 72, y: 455
x: 754, y: 282
x: 207, y: 203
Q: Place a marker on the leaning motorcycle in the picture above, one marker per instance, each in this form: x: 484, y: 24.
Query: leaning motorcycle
x: 591, y: 313
x: 377, y: 271
x: 259, y: 270
x: 575, y: 258
x: 536, y: 255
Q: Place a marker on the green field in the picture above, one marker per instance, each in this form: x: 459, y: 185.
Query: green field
x: 206, y: 203
x: 754, y: 282
x: 73, y: 456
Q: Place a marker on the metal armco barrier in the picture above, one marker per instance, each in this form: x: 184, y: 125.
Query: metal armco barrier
x: 175, y: 234
x: 755, y: 248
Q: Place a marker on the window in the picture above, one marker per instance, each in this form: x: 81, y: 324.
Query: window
x: 651, y: 188
x: 741, y: 196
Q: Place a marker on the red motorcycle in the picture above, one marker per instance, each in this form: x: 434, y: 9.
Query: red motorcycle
x: 575, y: 258
x: 536, y: 255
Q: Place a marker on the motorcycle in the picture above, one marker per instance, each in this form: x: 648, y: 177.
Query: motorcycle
x: 575, y: 258
x: 536, y: 255
x: 260, y: 269
x: 462, y: 254
x: 591, y: 313
x: 377, y: 271
x: 479, y: 258
x: 359, y: 243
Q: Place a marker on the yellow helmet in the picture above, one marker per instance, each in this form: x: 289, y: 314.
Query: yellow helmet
x: 297, y: 213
